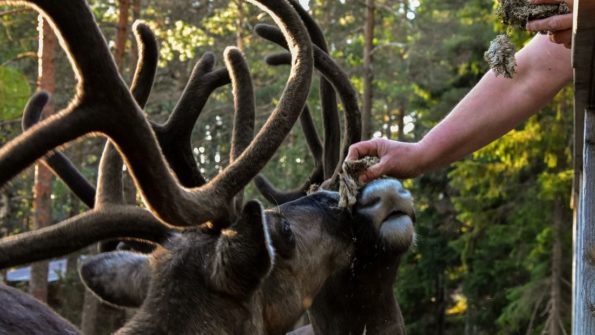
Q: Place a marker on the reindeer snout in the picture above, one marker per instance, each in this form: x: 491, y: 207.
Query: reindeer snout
x: 384, y: 197
x: 389, y: 207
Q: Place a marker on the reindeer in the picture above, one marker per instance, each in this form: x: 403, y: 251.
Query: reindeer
x: 217, y: 268
x: 22, y: 314
x: 358, y: 298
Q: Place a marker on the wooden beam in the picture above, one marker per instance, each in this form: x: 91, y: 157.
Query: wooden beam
x: 583, y: 60
x: 584, y: 26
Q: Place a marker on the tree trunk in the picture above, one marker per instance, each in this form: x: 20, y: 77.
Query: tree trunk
x: 42, y: 188
x: 122, y: 32
x: 555, y: 317
x: 136, y: 13
x: 368, y: 72
x: 121, y: 37
x: 240, y: 24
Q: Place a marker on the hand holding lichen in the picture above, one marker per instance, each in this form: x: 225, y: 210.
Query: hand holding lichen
x: 516, y: 13
x: 349, y: 183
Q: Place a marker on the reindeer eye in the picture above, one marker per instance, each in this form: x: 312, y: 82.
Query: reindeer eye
x: 286, y: 228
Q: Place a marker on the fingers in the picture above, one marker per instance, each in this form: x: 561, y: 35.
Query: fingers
x: 562, y: 37
x: 373, y: 172
x: 543, y: 2
x: 553, y: 23
x: 367, y: 148
x: 397, y: 159
x: 361, y: 149
x: 552, y: 2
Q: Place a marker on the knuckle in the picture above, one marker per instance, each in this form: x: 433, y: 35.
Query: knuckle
x: 558, y: 22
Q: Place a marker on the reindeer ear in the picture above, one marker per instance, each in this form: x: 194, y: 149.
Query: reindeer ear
x: 120, y: 278
x: 244, y: 254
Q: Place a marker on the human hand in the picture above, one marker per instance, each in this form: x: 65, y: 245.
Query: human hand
x: 559, y: 27
x: 397, y: 159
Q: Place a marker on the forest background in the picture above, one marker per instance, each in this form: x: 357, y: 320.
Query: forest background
x: 493, y: 254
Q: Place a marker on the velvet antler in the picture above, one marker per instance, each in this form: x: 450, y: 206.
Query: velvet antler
x: 340, y: 81
x: 104, y: 105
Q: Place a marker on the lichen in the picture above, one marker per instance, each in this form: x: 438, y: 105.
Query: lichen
x: 500, y: 56
x: 516, y: 13
x: 349, y: 183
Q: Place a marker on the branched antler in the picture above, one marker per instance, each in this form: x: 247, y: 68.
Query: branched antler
x: 80, y: 231
x: 331, y: 153
x: 140, y: 88
x: 265, y: 187
x: 340, y: 81
x: 104, y: 105
x: 55, y: 160
x: 175, y: 134
x: 328, y: 98
x: 108, y: 201
x: 244, y: 105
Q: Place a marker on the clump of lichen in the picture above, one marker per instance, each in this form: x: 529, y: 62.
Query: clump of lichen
x: 516, y: 13
x: 500, y: 56
x: 349, y: 183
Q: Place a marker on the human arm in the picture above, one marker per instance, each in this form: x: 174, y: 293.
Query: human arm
x: 492, y: 108
x: 559, y: 27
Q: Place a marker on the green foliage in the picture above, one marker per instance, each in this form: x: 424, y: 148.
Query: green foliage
x: 14, y: 92
x: 506, y: 199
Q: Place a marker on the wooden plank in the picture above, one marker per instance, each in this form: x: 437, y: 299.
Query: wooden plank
x: 584, y: 25
x: 583, y: 60
x: 584, y: 285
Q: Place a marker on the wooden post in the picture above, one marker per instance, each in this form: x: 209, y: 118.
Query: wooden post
x: 583, y: 59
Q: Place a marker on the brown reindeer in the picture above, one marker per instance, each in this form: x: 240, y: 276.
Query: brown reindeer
x: 217, y: 270
x: 359, y: 298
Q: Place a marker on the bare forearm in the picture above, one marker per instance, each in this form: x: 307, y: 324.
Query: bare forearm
x: 496, y: 104
x: 492, y: 108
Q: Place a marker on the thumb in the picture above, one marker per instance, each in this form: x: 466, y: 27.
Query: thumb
x: 373, y: 172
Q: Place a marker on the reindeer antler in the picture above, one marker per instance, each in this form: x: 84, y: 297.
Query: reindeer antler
x: 265, y: 187
x: 55, y: 160
x: 330, y: 115
x: 140, y: 88
x: 107, y: 202
x: 244, y: 105
x: 175, y: 134
x: 339, y: 79
x: 105, y: 105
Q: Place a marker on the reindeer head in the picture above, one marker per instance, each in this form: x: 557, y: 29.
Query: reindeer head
x: 357, y: 297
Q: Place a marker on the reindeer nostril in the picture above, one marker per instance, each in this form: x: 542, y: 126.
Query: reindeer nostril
x: 370, y: 201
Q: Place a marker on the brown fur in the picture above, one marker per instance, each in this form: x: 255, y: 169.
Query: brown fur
x: 222, y: 289
x: 22, y: 314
